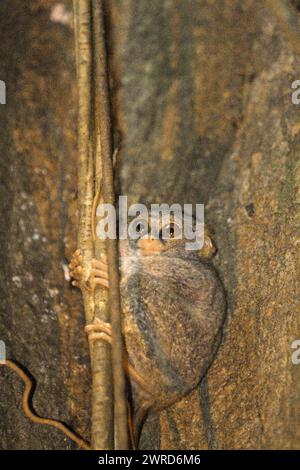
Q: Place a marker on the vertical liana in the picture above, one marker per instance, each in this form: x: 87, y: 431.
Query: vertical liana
x: 95, y: 171
x: 103, y: 128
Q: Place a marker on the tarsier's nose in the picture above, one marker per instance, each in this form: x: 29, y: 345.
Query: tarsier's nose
x: 150, y: 246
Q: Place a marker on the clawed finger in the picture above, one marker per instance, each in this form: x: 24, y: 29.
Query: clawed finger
x: 75, y: 262
x: 99, y: 265
x: 76, y: 273
x: 97, y: 281
x: 103, y: 256
x: 99, y: 273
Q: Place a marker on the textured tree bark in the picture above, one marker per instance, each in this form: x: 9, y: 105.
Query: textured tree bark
x: 42, y: 317
x: 202, y: 109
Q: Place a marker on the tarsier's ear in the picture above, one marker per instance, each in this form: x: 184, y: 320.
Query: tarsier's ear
x: 209, y: 249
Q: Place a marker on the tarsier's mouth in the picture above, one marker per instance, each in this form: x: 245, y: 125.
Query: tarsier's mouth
x: 150, y: 246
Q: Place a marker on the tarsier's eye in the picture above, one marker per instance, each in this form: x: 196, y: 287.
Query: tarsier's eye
x: 141, y: 227
x: 170, y: 231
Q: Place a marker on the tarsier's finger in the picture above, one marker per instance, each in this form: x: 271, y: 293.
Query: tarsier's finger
x: 74, y: 262
x: 99, y: 273
x: 78, y: 270
x: 76, y: 277
x: 103, y: 336
x: 99, y: 326
x: 76, y: 273
x: 103, y: 257
x: 99, y: 265
x: 100, y: 282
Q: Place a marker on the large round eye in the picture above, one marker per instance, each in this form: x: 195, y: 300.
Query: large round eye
x: 170, y: 231
x: 140, y: 226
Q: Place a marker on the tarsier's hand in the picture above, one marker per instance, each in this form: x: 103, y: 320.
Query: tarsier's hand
x: 98, y: 274
x: 76, y: 270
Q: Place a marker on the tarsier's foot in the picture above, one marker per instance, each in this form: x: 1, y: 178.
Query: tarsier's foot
x: 102, y: 330
x: 99, y: 330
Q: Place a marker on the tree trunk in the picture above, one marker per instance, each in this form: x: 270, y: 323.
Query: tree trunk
x: 202, y: 111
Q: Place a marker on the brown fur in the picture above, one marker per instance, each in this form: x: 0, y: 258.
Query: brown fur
x: 173, y: 311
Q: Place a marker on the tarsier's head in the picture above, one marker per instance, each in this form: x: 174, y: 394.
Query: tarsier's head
x: 156, y: 235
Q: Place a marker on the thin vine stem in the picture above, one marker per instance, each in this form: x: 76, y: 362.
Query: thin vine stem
x: 95, y: 171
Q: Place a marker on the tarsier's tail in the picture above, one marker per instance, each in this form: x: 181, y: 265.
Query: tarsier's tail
x: 33, y: 416
x: 135, y: 425
x: 139, y: 419
x: 136, y: 419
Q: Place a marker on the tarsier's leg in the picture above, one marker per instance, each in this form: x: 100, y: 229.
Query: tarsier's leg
x: 99, y: 329
x: 102, y: 330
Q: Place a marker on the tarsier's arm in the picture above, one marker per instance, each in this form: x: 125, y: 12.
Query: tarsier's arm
x: 98, y: 277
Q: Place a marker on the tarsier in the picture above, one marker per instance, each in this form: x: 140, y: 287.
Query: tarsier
x: 173, y: 307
